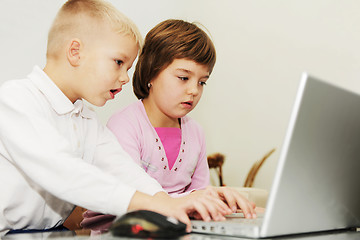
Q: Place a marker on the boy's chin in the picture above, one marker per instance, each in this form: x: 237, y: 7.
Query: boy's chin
x: 100, y: 104
x: 97, y: 103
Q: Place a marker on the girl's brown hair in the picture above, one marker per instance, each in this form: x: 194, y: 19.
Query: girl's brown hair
x: 169, y: 40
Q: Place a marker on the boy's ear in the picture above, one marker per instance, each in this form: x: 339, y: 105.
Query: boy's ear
x: 73, y: 52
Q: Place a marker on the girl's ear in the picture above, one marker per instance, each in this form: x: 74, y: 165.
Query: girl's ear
x: 73, y: 52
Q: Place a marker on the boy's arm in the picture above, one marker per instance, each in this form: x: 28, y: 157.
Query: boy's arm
x: 205, y: 207
x: 119, y: 164
x: 46, y: 159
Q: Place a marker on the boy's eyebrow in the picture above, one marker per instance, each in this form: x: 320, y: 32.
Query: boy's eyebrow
x: 122, y: 55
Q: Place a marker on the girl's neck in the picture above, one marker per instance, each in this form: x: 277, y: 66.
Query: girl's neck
x: 159, y: 119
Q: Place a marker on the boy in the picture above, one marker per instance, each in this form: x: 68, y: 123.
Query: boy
x: 54, y: 154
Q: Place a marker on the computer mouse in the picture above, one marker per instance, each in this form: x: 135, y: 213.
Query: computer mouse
x: 147, y: 224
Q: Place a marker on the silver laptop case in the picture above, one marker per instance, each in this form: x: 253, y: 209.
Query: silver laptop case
x: 316, y: 184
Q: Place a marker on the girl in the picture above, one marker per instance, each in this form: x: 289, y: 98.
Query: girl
x: 171, y: 73
x: 172, y: 70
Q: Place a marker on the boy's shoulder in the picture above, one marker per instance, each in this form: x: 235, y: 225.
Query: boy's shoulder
x: 16, y: 84
x: 22, y: 96
x: 25, y: 88
x: 18, y: 89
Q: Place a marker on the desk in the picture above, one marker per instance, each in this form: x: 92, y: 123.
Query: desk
x: 68, y: 235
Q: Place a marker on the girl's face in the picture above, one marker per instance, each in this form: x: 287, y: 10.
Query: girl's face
x: 175, y: 92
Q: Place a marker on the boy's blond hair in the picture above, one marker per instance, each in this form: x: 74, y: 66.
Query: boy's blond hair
x: 77, y: 17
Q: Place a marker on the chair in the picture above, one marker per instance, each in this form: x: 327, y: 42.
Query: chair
x: 73, y: 222
x: 216, y: 161
x: 256, y: 195
x: 255, y: 168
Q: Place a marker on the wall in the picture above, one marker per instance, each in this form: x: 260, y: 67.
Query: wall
x: 263, y: 46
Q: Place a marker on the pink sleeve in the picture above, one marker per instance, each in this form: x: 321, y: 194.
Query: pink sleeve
x: 201, y: 176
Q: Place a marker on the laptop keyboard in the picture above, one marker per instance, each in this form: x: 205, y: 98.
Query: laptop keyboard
x: 231, y: 226
x: 239, y: 218
x: 253, y: 221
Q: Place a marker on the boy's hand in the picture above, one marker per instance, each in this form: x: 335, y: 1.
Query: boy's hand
x: 234, y: 200
x: 204, y: 206
x: 210, y: 203
x: 230, y: 196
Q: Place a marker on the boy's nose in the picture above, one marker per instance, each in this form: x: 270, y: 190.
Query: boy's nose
x: 124, y: 78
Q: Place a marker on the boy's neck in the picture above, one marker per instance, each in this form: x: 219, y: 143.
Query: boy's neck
x: 61, y: 78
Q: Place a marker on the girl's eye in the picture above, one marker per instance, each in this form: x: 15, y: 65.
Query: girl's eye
x: 202, y: 83
x: 118, y: 62
x: 184, y: 78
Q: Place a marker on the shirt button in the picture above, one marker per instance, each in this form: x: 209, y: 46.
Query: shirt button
x: 156, y: 140
x: 164, y: 167
x: 159, y: 148
x: 180, y: 160
x: 183, y: 150
x: 175, y: 169
x: 184, y: 142
x: 162, y: 159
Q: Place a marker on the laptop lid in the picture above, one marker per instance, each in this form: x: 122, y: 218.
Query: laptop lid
x: 316, y: 184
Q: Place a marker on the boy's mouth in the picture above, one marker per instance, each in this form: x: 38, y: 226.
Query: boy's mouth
x: 113, y: 92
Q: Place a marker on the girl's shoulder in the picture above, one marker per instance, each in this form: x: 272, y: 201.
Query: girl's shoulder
x: 191, y: 125
x: 130, y: 114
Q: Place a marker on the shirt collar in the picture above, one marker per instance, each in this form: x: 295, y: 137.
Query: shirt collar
x: 57, y: 99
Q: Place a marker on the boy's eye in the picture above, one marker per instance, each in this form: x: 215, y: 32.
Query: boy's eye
x: 118, y: 62
x: 184, y: 78
x: 202, y: 83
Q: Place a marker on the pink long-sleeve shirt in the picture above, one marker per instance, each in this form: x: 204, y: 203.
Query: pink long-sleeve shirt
x: 138, y: 137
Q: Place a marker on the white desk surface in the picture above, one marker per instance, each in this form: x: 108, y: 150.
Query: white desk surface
x: 68, y: 235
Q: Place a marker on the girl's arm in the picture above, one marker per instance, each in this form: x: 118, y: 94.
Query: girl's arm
x: 127, y: 135
x: 201, y: 176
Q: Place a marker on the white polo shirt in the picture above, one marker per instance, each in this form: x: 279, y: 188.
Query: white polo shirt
x: 55, y: 154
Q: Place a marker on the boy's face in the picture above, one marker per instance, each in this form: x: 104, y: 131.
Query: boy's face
x: 105, y: 63
x: 178, y: 88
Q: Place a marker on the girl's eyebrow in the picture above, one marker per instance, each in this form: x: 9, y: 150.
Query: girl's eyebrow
x: 184, y: 70
x: 190, y: 72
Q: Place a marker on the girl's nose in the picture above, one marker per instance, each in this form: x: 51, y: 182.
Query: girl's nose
x: 193, y: 89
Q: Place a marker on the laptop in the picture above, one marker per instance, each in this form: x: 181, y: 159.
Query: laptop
x: 316, y: 186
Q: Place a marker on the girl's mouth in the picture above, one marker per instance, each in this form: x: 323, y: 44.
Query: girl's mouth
x: 187, y: 104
